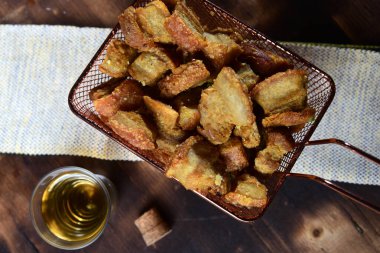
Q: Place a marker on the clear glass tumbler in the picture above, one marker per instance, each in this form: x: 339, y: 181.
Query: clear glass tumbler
x: 71, y: 206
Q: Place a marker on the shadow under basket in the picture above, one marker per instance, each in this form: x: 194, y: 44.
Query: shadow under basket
x: 320, y: 92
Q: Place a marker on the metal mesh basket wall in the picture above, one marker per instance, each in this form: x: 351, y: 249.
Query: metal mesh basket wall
x: 320, y: 89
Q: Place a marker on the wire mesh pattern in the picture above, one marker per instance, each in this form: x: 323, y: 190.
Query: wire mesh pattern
x: 320, y: 89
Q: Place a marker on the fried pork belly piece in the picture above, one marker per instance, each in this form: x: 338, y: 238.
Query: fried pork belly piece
x: 263, y: 62
x: 247, y: 76
x: 248, y: 193
x: 119, y: 56
x: 184, y: 26
x: 279, y: 142
x: 195, y: 165
x: 131, y: 127
x: 214, y: 124
x: 284, y: 91
x: 224, y: 105
x: 188, y: 118
x: 134, y: 35
x: 165, y: 150
x: 234, y: 154
x: 249, y: 134
x: 166, y: 119
x: 289, y: 118
x: 186, y: 76
x: 126, y: 95
x: 220, y: 49
x: 149, y: 67
x: 151, y: 19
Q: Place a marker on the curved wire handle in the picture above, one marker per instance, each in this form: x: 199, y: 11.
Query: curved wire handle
x: 333, y: 186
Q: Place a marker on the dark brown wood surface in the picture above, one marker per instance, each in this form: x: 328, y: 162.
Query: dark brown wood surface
x: 304, y: 217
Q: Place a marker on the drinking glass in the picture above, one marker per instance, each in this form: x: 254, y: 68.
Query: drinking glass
x: 71, y: 206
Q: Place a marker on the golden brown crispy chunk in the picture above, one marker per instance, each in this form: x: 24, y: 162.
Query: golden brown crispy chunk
x: 248, y: 193
x: 279, y: 143
x: 215, y: 126
x: 220, y: 49
x: 119, y: 56
x: 149, y: 67
x: 134, y: 35
x: 126, y: 96
x: 166, y: 119
x: 263, y: 62
x: 249, y: 134
x: 224, y: 105
x: 247, y: 76
x: 165, y: 149
x: 284, y: 91
x: 234, y: 154
x: 194, y: 165
x: 188, y: 118
x: 151, y: 18
x: 186, y: 76
x: 184, y: 26
x: 106, y: 106
x: 289, y: 118
x: 131, y: 127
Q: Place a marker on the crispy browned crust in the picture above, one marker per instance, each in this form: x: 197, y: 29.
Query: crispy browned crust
x: 250, y: 135
x: 119, y: 56
x: 220, y: 49
x: 131, y: 127
x: 186, y: 76
x: 188, y: 118
x: 194, y: 166
x: 214, y: 125
x: 248, y: 193
x: 289, y: 118
x: 134, y: 35
x: 151, y: 19
x: 284, y: 91
x: 149, y: 67
x: 264, y: 63
x: 224, y: 105
x: 184, y: 27
x: 234, y: 154
x: 165, y: 150
x: 106, y: 106
x: 129, y: 95
x: 279, y: 142
x: 126, y: 96
x: 166, y: 119
x: 247, y: 77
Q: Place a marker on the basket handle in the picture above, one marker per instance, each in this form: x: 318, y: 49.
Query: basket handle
x: 336, y: 187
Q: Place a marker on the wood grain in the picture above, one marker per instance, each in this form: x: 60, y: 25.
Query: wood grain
x: 304, y: 217
x: 331, y: 21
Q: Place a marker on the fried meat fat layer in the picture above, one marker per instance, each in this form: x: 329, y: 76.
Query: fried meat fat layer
x: 248, y: 193
x: 284, y: 91
x: 195, y: 165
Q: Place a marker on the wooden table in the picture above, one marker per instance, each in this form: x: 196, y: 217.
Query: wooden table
x: 304, y: 217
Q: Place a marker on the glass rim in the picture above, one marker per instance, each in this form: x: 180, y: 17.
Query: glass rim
x: 60, y: 171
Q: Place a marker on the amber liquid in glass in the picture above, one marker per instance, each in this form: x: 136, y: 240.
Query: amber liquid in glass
x: 74, y: 208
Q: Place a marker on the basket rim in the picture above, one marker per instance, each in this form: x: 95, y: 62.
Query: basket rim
x: 300, y: 145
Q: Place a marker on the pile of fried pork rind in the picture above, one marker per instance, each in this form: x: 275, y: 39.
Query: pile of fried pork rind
x: 213, y: 108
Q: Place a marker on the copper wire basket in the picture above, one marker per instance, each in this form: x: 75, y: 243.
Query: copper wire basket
x: 320, y: 93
